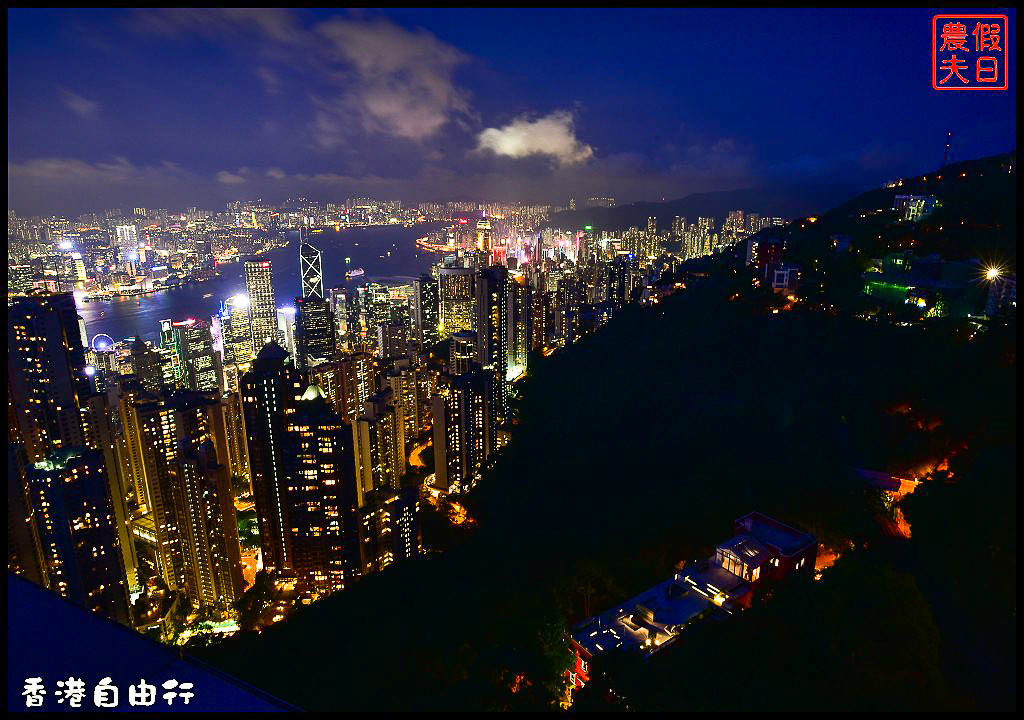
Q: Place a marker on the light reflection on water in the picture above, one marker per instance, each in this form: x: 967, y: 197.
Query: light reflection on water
x: 367, y: 248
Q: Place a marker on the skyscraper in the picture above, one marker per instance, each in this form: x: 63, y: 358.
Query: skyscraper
x: 262, y: 304
x: 425, y: 310
x: 348, y: 383
x: 379, y: 445
x: 492, y: 305
x: 45, y: 373
x: 81, y: 556
x: 314, y: 331
x: 236, y: 334
x: 183, y: 445
x: 457, y: 300
x: 202, y: 364
x: 311, y: 268
x: 465, y: 435
x: 270, y: 390
x: 320, y: 501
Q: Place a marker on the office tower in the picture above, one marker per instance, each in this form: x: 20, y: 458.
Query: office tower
x: 170, y: 352
x: 78, y: 267
x: 378, y: 437
x: 127, y: 236
x: 81, y: 555
x: 262, y: 303
x: 201, y: 363
x: 484, y: 239
x: 320, y: 496
x: 519, y: 316
x: 314, y: 332
x: 347, y: 382
x: 457, y: 300
x: 46, y: 375
x: 183, y: 445
x: 462, y: 352
x: 338, y: 299
x: 286, y: 330
x: 392, y: 340
x: 311, y: 269
x: 492, y: 299
x: 425, y: 311
x: 465, y: 435
x: 236, y: 334
x: 389, y: 528
x: 269, y: 392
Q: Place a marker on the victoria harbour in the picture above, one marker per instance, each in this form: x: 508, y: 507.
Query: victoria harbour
x: 388, y: 254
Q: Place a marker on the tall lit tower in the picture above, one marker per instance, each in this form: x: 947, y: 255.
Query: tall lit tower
x: 311, y: 268
x: 270, y: 391
x: 262, y: 304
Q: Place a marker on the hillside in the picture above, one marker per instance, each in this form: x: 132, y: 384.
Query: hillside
x: 636, y: 449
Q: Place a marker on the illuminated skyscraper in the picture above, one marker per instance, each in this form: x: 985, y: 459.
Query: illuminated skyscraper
x: 314, y: 332
x: 201, y: 363
x: 320, y: 496
x: 465, y: 435
x: 262, y: 304
x: 311, y: 268
x: 484, y: 239
x: 183, y: 445
x: 348, y: 383
x: 269, y: 392
x: 389, y: 528
x: 46, y: 375
x: 425, y: 310
x: 286, y: 330
x: 78, y: 536
x: 462, y: 352
x: 492, y: 305
x: 519, y: 315
x: 379, y: 445
x: 457, y: 300
x: 236, y: 334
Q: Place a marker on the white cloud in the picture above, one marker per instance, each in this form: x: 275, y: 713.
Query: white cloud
x: 397, y: 81
x: 81, y: 106
x: 229, y: 178
x: 552, y: 135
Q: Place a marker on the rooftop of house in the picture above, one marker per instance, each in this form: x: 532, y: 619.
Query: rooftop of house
x: 787, y: 540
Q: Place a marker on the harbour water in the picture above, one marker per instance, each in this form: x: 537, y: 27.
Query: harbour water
x: 388, y: 254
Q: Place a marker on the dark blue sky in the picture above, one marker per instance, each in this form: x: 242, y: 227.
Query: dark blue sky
x: 196, y: 107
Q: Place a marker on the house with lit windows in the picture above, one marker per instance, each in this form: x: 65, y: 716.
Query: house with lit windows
x: 762, y: 549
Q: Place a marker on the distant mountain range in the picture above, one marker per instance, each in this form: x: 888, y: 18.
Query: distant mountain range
x: 786, y: 203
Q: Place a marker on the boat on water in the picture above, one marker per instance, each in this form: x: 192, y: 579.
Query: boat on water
x: 207, y: 295
x: 354, y: 273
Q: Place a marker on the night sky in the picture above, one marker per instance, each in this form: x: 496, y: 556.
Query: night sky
x: 195, y: 107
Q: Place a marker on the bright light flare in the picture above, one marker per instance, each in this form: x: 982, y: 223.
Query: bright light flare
x: 993, y: 273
